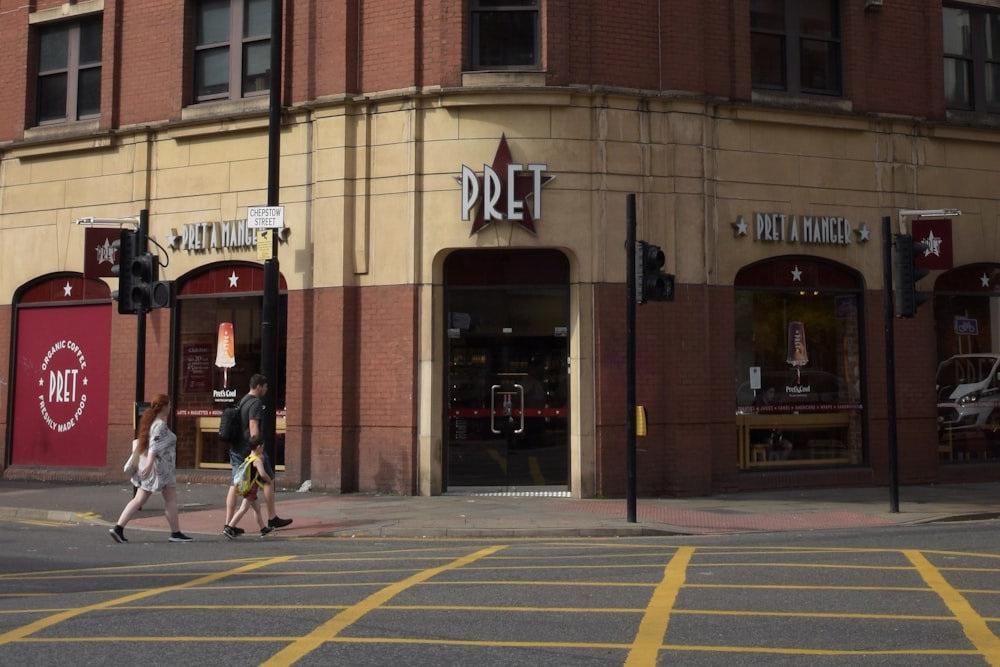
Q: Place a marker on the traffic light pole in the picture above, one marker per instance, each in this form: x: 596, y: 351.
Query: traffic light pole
x: 889, y: 317
x: 630, y: 287
x: 140, y: 326
x: 269, y: 307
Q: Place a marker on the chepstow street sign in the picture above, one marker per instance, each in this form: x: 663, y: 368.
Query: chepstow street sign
x: 266, y: 217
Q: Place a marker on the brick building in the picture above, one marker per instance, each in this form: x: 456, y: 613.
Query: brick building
x: 454, y: 177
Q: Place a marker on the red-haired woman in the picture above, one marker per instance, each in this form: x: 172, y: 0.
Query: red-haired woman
x: 157, y: 451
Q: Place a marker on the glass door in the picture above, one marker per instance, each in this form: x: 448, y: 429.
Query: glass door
x: 506, y: 372
x: 507, y: 413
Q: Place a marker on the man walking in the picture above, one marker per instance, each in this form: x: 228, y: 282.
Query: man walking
x: 251, y: 409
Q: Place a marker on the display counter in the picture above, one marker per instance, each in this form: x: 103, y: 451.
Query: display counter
x: 815, y: 451
x: 213, y: 454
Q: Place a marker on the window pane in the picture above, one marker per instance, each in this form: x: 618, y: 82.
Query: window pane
x: 492, y: 4
x: 993, y: 85
x: 767, y: 60
x: 52, y: 97
x: 818, y: 18
x: 213, y: 22
x: 53, y: 51
x: 956, y: 83
x: 767, y: 15
x: 257, y: 20
x: 88, y: 94
x: 955, y: 25
x: 211, y: 72
x: 993, y: 36
x: 256, y: 66
x: 819, y: 66
x: 806, y: 348
x: 506, y: 39
x: 90, y: 42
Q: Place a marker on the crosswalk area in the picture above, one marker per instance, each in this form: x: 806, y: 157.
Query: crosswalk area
x: 634, y: 602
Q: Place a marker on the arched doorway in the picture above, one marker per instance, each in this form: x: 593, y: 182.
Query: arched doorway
x: 506, y: 372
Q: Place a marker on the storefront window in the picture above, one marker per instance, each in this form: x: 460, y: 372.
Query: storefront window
x: 798, y: 384
x: 967, y: 314
x: 218, y: 349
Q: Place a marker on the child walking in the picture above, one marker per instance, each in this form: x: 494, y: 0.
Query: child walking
x: 259, y: 479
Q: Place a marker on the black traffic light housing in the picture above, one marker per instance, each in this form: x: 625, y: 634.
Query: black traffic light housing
x: 651, y: 282
x: 907, y: 275
x: 125, y: 249
x: 148, y: 292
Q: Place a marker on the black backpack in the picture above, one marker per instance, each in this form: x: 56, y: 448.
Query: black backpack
x: 231, y: 424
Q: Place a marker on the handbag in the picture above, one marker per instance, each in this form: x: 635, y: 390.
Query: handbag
x: 132, y: 462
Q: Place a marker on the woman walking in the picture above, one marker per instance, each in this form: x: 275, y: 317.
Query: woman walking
x: 157, y: 450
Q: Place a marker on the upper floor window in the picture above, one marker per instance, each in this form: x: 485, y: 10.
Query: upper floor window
x: 971, y: 59
x: 69, y: 71
x: 795, y: 45
x: 232, y: 49
x: 505, y: 34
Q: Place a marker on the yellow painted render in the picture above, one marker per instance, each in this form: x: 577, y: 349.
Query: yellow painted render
x: 31, y: 197
x: 355, y: 205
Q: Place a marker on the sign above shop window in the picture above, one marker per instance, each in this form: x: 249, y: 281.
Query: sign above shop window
x: 505, y: 191
x: 201, y: 237
x: 801, y: 229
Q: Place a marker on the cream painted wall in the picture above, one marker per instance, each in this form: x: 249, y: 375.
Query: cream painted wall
x: 361, y: 184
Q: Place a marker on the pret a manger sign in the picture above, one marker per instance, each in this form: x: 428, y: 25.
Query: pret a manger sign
x: 503, y: 191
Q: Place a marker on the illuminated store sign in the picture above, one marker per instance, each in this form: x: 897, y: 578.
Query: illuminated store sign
x: 801, y: 229
x: 506, y: 191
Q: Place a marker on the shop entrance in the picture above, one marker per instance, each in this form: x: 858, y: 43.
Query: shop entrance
x: 506, y: 378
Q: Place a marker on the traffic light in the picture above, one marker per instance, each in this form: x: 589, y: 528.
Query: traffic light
x: 125, y: 247
x: 908, y: 299
x: 147, y: 291
x: 651, y: 283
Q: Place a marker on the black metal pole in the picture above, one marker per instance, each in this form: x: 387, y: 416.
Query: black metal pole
x: 630, y: 224
x: 142, y: 236
x: 890, y: 362
x: 269, y: 307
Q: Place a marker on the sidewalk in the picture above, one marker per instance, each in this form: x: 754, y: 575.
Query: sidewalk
x: 321, y: 514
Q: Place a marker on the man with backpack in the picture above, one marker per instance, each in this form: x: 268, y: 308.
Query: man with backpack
x: 251, y: 410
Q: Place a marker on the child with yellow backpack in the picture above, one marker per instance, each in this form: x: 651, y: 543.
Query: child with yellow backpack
x: 249, y: 477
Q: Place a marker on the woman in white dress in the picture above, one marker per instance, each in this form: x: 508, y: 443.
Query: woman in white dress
x: 157, y: 450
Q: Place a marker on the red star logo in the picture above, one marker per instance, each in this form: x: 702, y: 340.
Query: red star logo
x: 524, y: 189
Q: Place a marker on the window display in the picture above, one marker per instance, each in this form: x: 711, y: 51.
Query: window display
x: 218, y: 348
x: 798, y: 388
x: 967, y: 381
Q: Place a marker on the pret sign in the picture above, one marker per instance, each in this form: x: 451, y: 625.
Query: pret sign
x: 266, y: 217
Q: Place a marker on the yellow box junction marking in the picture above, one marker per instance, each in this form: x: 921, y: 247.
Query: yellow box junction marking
x: 653, y: 627
x: 310, y: 642
x: 973, y: 624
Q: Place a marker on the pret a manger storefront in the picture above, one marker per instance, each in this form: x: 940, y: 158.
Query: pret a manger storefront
x: 452, y: 317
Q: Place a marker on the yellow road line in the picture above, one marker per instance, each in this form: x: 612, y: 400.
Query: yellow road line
x: 649, y: 638
x: 310, y: 642
x: 974, y: 626
x: 55, y: 619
